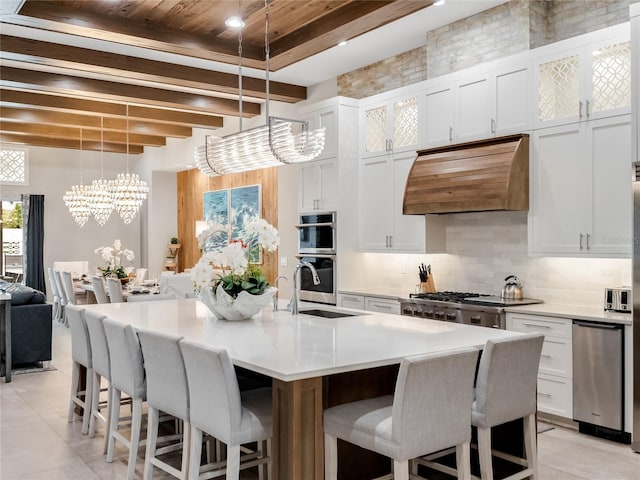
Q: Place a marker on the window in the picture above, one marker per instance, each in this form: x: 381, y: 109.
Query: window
x: 13, y: 166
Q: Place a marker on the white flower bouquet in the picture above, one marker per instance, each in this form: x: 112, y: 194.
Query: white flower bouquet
x: 113, y: 256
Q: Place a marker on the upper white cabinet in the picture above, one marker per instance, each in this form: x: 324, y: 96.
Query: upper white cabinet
x: 383, y: 227
x: 478, y: 105
x: 319, y: 179
x: 583, y: 83
x: 581, y: 189
x: 390, y: 125
x: 634, y: 13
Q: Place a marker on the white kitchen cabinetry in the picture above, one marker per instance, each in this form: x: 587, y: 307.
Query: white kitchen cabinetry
x: 583, y: 81
x: 555, y: 373
x: 581, y: 190
x: 390, y: 125
x: 634, y: 13
x: 383, y: 227
x: 371, y: 304
x: 382, y: 305
x: 319, y: 179
x: 319, y: 185
x: 478, y: 105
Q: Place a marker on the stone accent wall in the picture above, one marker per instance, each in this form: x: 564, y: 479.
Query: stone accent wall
x: 501, y: 31
x: 494, y: 33
x: 394, y: 72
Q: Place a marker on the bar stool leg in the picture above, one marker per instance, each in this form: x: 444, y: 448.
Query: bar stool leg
x: 152, y: 440
x: 195, y: 451
x: 463, y: 461
x: 530, y: 434
x: 136, y: 423
x: 330, y: 457
x: 484, y: 452
x: 115, y: 417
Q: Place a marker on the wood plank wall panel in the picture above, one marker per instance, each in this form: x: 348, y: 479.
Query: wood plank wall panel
x: 192, y: 184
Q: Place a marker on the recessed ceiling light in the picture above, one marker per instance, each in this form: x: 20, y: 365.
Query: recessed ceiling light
x: 439, y: 2
x: 234, y: 22
x: 342, y: 43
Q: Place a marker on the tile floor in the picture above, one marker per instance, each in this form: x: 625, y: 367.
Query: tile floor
x: 37, y: 443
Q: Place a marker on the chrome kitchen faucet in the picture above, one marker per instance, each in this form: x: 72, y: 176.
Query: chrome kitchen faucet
x: 293, y: 304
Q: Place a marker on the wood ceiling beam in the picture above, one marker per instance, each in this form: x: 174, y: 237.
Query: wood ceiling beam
x: 52, y: 117
x: 34, y: 140
x: 64, y: 19
x: 82, y: 59
x: 345, y: 23
x: 65, y: 84
x: 73, y: 133
x: 98, y: 108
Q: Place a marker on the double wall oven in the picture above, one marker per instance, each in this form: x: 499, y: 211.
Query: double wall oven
x: 317, y: 245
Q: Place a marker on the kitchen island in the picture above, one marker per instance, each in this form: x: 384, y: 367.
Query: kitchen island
x: 313, y: 362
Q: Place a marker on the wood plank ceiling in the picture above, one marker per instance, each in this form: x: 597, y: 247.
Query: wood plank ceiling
x: 52, y: 93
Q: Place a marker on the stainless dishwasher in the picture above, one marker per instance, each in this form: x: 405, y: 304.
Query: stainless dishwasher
x: 598, y: 393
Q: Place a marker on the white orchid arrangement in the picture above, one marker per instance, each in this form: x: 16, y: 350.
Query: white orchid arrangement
x: 237, y: 273
x: 113, y: 256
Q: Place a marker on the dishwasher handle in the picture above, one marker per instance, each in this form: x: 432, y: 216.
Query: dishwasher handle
x: 603, y: 326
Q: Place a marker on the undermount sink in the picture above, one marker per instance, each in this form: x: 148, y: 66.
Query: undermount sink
x: 327, y: 313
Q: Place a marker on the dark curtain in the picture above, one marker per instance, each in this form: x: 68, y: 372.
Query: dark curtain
x: 34, y: 277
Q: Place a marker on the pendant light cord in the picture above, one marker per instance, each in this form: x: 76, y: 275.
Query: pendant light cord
x: 81, y: 160
x: 266, y: 54
x: 127, y: 126
x: 240, y: 63
x: 101, y: 147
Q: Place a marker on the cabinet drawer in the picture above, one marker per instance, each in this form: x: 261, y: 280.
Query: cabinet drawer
x: 351, y: 301
x: 555, y: 395
x: 556, y: 358
x: 382, y: 305
x: 550, y: 326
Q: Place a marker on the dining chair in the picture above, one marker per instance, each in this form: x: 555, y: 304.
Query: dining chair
x: 150, y: 297
x: 114, y: 285
x: 98, y: 289
x: 218, y: 408
x: 67, y: 284
x: 101, y: 370
x: 164, y: 366
x: 127, y: 375
x: 57, y: 307
x: 64, y: 300
x: 416, y: 420
x: 141, y: 274
x: 506, y: 390
x: 82, y: 357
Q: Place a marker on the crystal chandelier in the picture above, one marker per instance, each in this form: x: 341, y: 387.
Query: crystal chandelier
x: 99, y: 193
x: 269, y: 145
x: 129, y: 192
x: 76, y: 198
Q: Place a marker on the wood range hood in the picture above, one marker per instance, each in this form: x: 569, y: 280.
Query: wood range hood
x: 483, y: 175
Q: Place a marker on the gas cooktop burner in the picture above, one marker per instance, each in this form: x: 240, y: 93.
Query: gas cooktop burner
x: 446, y: 296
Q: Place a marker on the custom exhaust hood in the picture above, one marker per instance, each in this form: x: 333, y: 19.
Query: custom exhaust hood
x: 483, y: 175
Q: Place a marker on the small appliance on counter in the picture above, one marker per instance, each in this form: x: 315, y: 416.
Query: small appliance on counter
x: 618, y: 299
x: 512, y: 289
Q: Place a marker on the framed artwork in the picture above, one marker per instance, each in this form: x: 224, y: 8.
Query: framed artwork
x: 234, y: 208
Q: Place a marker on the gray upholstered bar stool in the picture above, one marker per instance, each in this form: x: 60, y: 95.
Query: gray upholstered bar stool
x: 506, y: 391
x: 114, y: 285
x: 127, y: 375
x: 63, y: 297
x: 101, y: 369
x: 81, y: 354
x: 430, y: 410
x: 167, y: 392
x: 98, y: 289
x: 219, y: 409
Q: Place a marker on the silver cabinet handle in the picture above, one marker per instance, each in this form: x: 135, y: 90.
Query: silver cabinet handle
x: 450, y: 133
x: 587, y: 103
x: 536, y: 326
x: 493, y: 126
x: 580, y: 109
x: 344, y: 297
x: 391, y: 145
x: 588, y: 246
x: 546, y: 395
x: 386, y: 241
x: 386, y: 145
x: 391, y: 241
x: 542, y: 355
x: 581, y: 235
x: 377, y: 305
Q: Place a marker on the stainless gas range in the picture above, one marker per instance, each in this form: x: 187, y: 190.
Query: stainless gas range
x: 461, y: 307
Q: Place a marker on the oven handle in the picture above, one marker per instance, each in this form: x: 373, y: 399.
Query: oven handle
x: 314, y: 255
x: 327, y: 224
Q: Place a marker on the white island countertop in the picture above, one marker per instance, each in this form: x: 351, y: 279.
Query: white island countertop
x: 291, y: 348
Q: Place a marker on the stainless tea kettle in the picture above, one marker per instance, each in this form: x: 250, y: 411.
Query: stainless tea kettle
x: 512, y: 289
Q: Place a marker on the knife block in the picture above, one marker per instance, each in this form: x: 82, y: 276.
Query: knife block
x: 428, y: 286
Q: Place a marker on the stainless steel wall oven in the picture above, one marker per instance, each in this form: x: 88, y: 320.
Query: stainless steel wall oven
x: 317, y: 245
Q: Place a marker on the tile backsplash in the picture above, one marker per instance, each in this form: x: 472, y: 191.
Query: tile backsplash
x: 483, y: 248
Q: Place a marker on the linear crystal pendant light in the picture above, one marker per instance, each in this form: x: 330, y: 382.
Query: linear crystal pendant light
x: 268, y: 145
x: 76, y: 198
x: 129, y: 192
x: 100, y: 193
